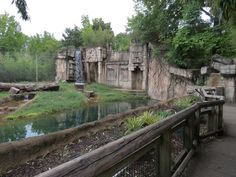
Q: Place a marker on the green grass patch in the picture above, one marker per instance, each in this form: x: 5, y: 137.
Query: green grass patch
x: 3, y: 94
x: 108, y: 94
x: 147, y: 118
x: 68, y: 98
x: 185, y: 102
x: 49, y: 102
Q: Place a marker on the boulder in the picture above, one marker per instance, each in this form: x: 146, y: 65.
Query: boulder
x: 14, y: 90
x: 90, y: 94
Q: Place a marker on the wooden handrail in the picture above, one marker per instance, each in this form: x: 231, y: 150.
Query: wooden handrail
x: 109, y: 159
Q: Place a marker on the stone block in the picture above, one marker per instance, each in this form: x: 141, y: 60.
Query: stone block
x: 214, y: 80
x: 228, y: 70
x: 90, y: 94
x: 14, y: 90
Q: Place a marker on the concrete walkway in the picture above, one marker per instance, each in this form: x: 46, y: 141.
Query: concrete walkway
x: 217, y: 158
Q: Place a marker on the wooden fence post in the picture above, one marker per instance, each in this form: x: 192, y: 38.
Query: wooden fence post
x: 165, y: 155
x: 197, y: 125
x: 189, y: 133
x: 211, y: 120
x: 220, y: 117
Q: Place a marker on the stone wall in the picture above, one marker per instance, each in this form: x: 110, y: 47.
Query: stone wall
x: 165, y: 81
x: 61, y: 65
x: 222, y: 73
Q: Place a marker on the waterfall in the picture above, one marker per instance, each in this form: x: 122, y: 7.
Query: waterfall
x: 79, y: 74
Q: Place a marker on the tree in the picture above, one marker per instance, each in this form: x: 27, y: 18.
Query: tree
x: 178, y: 26
x: 72, y: 37
x: 22, y: 8
x: 122, y: 42
x: 43, y: 44
x: 96, y: 34
x: 155, y: 21
x: 11, y: 37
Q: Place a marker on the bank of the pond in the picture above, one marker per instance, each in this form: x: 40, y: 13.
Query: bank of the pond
x: 110, y: 129
x: 3, y: 94
x: 68, y: 98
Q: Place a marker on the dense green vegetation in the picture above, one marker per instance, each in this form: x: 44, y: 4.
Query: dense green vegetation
x: 178, y: 29
x: 97, y: 33
x: 68, y: 98
x: 108, y: 93
x: 185, y: 102
x: 3, y: 94
x: 147, y: 118
x: 24, y: 58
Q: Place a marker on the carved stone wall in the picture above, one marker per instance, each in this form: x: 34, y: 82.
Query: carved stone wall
x: 164, y: 83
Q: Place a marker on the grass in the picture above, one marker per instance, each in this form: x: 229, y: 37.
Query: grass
x: 147, y: 118
x: 3, y: 94
x: 185, y: 102
x: 49, y: 102
x: 67, y: 98
x: 108, y: 94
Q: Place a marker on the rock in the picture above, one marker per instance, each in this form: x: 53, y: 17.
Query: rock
x: 219, y: 59
x: 90, y: 94
x: 228, y: 70
x: 14, y: 90
x: 10, y: 109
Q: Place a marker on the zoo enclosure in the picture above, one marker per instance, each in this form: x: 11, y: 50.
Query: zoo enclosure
x: 150, y: 151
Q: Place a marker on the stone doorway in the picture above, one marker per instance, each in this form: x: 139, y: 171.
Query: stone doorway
x: 137, y: 79
x: 93, y: 69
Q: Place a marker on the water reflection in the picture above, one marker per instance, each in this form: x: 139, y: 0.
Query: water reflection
x: 20, y: 129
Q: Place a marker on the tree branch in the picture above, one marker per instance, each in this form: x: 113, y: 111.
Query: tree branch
x: 208, y: 14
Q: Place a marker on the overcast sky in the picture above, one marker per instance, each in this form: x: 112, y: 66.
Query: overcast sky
x: 56, y: 15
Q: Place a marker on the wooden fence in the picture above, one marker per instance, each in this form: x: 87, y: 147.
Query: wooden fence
x: 111, y: 159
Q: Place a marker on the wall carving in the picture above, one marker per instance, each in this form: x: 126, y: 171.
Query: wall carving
x: 111, y: 74
x: 124, y: 74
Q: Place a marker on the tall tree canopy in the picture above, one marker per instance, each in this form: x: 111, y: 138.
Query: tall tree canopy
x: 11, y: 37
x: 97, y: 33
x: 179, y: 27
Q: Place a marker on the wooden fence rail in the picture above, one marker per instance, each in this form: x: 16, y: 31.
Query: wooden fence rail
x: 112, y: 158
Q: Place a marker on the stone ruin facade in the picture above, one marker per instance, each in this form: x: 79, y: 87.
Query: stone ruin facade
x: 128, y: 70
x: 136, y: 70
x: 222, y: 73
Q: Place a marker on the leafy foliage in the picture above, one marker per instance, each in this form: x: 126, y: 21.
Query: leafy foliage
x: 11, y: 37
x: 72, y: 37
x: 185, y: 102
x: 122, y: 42
x: 179, y: 27
x: 96, y: 34
x: 147, y: 118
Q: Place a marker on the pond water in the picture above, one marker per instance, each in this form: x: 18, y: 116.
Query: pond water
x: 20, y: 129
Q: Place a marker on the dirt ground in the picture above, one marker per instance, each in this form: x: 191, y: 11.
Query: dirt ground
x: 66, y: 153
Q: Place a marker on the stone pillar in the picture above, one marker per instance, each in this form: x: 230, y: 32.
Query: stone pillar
x: 100, y: 72
x: 144, y: 81
x: 88, y: 72
x: 130, y: 78
x: 145, y: 68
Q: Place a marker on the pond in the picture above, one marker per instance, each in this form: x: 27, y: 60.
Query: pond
x: 20, y: 129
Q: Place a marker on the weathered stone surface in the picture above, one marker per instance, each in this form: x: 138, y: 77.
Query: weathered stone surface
x: 14, y: 90
x: 215, y: 80
x: 228, y: 70
x: 219, y: 59
x: 90, y: 94
x: 162, y: 84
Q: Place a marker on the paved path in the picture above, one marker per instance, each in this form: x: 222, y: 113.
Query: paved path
x: 218, y: 158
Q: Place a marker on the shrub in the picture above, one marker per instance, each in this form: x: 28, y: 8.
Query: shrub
x: 147, y: 118
x: 185, y: 102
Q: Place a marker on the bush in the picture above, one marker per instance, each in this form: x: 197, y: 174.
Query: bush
x: 185, y: 102
x: 147, y: 118
x: 22, y: 67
